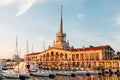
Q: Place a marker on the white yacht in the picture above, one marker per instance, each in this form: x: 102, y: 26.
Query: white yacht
x: 24, y: 71
x: 95, y: 72
x: 83, y: 72
x: 44, y: 73
x: 0, y: 71
x: 10, y: 74
x: 41, y: 73
x: 63, y: 73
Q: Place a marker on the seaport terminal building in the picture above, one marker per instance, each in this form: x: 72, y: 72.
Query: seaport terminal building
x: 61, y: 55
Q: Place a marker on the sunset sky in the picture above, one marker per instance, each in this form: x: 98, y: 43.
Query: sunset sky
x: 86, y: 22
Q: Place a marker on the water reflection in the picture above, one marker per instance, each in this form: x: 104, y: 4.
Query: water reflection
x: 92, y: 77
x: 40, y: 78
x: 9, y: 79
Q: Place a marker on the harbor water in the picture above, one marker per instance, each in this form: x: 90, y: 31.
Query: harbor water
x: 80, y: 77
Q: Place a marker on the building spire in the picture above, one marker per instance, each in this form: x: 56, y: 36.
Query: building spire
x: 61, y: 23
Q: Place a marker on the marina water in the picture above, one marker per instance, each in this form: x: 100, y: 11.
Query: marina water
x: 80, y: 77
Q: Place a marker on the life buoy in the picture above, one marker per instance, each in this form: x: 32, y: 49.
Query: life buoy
x: 28, y: 66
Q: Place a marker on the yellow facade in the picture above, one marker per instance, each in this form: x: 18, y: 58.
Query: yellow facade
x: 78, y: 58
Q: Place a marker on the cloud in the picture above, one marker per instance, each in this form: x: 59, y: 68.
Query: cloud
x: 81, y: 17
x: 117, y: 20
x: 24, y: 6
x: 117, y: 38
x: 6, y: 2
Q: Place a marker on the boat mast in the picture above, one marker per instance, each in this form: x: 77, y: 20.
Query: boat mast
x: 45, y: 53
x: 27, y: 48
x: 16, y: 52
x: 32, y: 48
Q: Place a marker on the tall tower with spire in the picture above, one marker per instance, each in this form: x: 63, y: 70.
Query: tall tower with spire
x: 61, y: 42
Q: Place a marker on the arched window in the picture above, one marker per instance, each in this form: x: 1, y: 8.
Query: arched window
x: 61, y: 56
x: 56, y: 56
x: 52, y: 56
x: 81, y: 56
x: 47, y: 57
x: 86, y: 57
x: 77, y: 57
x: 97, y: 56
x: 66, y: 57
x: 52, y: 53
x: 73, y: 57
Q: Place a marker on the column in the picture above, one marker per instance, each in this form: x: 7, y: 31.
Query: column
x: 105, y: 64
x: 54, y: 56
x: 111, y: 64
x: 94, y: 55
x: 108, y: 55
x: 90, y: 64
x: 49, y: 57
x: 104, y: 52
x: 79, y: 57
x: 97, y: 64
x: 119, y: 63
x: 84, y: 64
x: 45, y: 57
x: 105, y: 56
x: 75, y: 57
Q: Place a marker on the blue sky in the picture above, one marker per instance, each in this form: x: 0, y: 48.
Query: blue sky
x: 86, y: 22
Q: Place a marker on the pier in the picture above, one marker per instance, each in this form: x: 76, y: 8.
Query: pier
x: 84, y: 64
x: 104, y: 66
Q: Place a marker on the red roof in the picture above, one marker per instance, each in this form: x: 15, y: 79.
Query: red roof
x: 81, y: 49
x: 91, y: 48
x: 34, y: 53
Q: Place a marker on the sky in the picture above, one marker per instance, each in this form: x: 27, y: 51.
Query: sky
x: 86, y: 22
